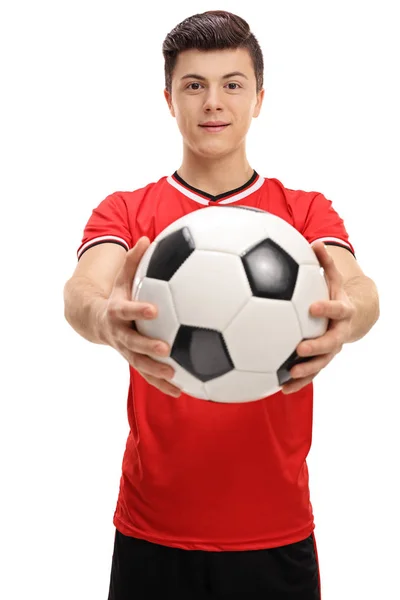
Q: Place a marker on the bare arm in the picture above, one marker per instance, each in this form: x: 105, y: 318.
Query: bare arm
x: 352, y: 309
x: 86, y: 294
x: 99, y: 306
x: 84, y: 302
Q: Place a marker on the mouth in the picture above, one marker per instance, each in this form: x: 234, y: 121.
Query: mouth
x: 215, y: 128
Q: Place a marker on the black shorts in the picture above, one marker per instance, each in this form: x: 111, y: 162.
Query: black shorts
x: 142, y: 570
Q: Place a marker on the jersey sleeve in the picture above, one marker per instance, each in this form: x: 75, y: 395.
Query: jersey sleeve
x: 321, y: 223
x: 108, y: 223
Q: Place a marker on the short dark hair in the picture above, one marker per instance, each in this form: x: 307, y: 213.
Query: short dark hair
x: 211, y: 30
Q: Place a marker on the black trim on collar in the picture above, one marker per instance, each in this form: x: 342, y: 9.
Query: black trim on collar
x: 210, y: 196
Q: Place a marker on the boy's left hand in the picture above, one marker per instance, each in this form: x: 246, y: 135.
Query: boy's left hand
x: 339, y: 310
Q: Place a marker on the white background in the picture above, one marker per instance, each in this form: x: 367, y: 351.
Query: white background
x: 83, y: 115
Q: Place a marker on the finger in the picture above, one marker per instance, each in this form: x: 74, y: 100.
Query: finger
x: 162, y: 385
x: 124, y: 278
x: 297, y: 385
x: 136, y: 342
x: 331, y: 309
x: 330, y: 342
x: 148, y: 366
x: 131, y: 310
x: 332, y: 274
x: 322, y: 254
x: 312, y: 367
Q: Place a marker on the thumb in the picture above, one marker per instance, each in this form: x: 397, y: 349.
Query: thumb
x: 332, y: 275
x: 124, y: 278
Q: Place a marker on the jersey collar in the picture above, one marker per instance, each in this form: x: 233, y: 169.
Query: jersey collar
x: 252, y: 185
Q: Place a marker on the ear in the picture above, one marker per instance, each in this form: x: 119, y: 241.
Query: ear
x: 168, y: 98
x: 260, y: 98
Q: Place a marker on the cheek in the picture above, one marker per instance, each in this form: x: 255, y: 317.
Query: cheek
x: 243, y: 113
x: 181, y: 121
x: 243, y: 122
x: 184, y: 118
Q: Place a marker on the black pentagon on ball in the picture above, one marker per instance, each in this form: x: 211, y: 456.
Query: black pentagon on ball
x: 202, y: 352
x: 271, y: 272
x: 283, y: 371
x: 170, y: 253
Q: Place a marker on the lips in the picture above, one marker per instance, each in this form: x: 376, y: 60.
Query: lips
x: 214, y: 124
x: 214, y: 127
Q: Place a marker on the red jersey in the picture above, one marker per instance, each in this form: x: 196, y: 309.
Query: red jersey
x: 203, y: 475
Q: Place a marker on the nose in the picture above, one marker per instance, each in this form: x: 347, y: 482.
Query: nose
x: 213, y: 100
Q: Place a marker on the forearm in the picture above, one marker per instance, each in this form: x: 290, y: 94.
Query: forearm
x: 84, y: 303
x: 363, y: 294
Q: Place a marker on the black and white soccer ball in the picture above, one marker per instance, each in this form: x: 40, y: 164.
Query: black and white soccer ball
x: 233, y: 286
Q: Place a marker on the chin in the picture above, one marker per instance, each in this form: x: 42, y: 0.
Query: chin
x: 213, y: 151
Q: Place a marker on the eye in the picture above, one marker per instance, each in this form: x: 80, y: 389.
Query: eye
x: 194, y: 83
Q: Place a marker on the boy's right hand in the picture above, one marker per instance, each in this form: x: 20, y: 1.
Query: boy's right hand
x: 117, y: 328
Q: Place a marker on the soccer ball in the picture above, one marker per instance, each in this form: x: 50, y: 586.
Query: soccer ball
x: 233, y: 286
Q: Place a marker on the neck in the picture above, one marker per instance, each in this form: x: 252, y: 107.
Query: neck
x: 215, y: 175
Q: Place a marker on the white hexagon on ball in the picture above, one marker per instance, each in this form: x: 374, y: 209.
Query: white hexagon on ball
x: 245, y: 226
x: 209, y: 288
x: 242, y: 386
x: 263, y: 335
x: 184, y: 380
x: 310, y: 287
x: 165, y: 326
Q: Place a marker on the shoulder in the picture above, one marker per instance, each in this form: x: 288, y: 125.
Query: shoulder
x: 292, y: 204
x: 135, y: 196
x: 300, y: 201
x: 121, y: 217
x: 310, y: 212
x: 292, y: 196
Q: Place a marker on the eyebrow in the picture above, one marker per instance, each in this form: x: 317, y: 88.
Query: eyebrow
x: 227, y: 76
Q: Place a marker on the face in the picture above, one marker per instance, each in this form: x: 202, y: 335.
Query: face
x: 214, y: 86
